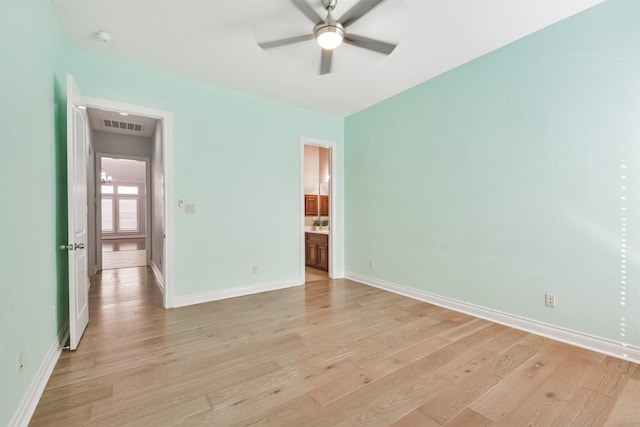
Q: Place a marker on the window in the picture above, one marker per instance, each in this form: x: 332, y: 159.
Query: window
x: 127, y: 214
x: 120, y: 208
x: 128, y: 190
x: 107, y: 215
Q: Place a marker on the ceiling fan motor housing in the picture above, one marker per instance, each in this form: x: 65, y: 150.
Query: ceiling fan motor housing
x: 329, y: 25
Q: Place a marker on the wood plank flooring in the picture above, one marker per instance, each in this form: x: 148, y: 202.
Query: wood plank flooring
x: 330, y: 353
x: 313, y: 274
x: 124, y: 244
x: 123, y: 253
x: 124, y: 259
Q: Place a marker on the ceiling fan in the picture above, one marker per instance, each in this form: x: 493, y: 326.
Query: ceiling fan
x: 331, y: 33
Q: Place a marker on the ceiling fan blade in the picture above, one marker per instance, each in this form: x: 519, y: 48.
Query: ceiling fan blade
x: 304, y: 7
x: 325, y: 61
x: 357, y: 11
x: 371, y: 44
x: 283, y: 42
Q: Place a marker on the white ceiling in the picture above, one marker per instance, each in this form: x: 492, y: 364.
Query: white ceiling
x: 126, y: 170
x: 215, y: 41
x: 116, y: 120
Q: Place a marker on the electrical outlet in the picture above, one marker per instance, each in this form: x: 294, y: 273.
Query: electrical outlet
x: 190, y: 209
x: 20, y: 361
x: 372, y: 264
x: 550, y: 300
x: 255, y: 269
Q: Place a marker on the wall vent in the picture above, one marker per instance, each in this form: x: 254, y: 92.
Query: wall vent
x: 133, y: 127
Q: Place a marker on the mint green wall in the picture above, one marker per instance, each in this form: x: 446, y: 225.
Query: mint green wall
x: 29, y: 44
x: 493, y: 184
x: 500, y: 181
x: 236, y: 157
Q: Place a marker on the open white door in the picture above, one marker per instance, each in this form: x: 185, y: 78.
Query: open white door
x: 77, y: 153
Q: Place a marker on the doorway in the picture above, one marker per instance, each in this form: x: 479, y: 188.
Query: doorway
x: 318, y: 216
x: 82, y: 177
x: 116, y: 132
x: 124, y: 206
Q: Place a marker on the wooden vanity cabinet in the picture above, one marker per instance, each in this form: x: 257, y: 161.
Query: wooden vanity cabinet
x: 317, y: 251
x: 324, y: 205
x: 310, y: 205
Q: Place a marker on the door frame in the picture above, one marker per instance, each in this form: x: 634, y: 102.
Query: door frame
x: 333, y: 217
x: 98, y: 197
x: 166, y: 120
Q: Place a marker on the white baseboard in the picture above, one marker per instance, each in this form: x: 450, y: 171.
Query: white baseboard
x: 579, y: 339
x: 30, y: 400
x: 181, y: 301
x: 158, y: 275
x: 338, y: 275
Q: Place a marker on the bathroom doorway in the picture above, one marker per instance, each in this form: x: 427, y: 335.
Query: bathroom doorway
x: 316, y: 212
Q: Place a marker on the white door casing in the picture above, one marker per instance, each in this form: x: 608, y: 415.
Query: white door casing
x: 81, y: 316
x: 333, y: 210
x: 77, y: 208
x: 166, y: 185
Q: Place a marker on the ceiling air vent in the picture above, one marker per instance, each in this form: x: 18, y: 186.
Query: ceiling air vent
x: 133, y: 127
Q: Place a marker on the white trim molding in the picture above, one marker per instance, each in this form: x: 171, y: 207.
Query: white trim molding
x: 333, y: 203
x: 158, y: 275
x: 202, y: 297
x: 557, y: 333
x: 166, y: 119
x: 30, y: 400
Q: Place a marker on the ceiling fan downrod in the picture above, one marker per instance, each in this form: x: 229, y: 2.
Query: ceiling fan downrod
x: 329, y: 5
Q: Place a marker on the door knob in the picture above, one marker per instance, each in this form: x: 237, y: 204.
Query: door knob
x: 79, y: 246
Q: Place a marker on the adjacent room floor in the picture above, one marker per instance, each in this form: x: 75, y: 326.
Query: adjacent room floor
x: 122, y: 253
x: 328, y: 353
x: 314, y: 274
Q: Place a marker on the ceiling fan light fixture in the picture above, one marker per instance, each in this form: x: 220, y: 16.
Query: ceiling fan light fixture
x: 329, y: 34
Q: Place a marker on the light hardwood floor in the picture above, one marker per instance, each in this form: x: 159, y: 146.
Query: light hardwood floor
x: 123, y: 259
x: 124, y: 244
x: 313, y: 274
x: 331, y: 353
x: 123, y: 253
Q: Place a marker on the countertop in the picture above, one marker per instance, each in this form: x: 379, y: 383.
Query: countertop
x: 311, y: 230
